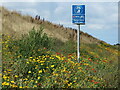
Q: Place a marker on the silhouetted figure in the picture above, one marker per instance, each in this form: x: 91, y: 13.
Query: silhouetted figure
x: 36, y: 17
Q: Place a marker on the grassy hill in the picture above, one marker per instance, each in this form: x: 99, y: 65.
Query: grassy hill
x: 42, y: 54
x: 16, y: 24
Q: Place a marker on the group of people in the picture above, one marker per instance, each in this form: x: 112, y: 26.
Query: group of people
x: 37, y: 17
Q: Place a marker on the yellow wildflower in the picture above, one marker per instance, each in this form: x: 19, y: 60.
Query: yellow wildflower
x: 12, y: 82
x: 52, y: 65
x: 41, y: 63
x: 86, y: 64
x: 29, y: 72
x: 4, y: 71
x: 36, y: 81
x: 26, y: 79
x: 38, y: 60
x: 75, y: 77
x: 20, y: 87
x: 47, y: 67
x: 79, y: 67
x: 74, y: 81
x: 69, y: 84
x: 5, y: 77
x: 16, y: 75
x: 56, y: 74
x: 9, y: 70
x: 66, y: 81
x: 31, y: 57
x: 25, y: 82
x: 14, y: 85
x: 27, y: 62
x: 35, y: 86
x: 5, y: 83
x: 36, y: 67
x: 40, y: 71
x: 38, y: 77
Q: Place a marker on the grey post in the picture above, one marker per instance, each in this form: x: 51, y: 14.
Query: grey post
x: 78, y: 43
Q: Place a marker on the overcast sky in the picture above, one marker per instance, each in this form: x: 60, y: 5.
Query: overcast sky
x: 101, y: 17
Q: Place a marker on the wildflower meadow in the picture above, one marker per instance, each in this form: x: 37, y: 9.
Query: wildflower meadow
x: 38, y: 61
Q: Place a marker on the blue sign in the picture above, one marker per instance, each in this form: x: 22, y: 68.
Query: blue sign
x: 78, y: 14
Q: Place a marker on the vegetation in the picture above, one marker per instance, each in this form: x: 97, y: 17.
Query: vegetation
x: 38, y: 61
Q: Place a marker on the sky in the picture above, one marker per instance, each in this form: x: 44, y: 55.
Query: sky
x: 101, y: 17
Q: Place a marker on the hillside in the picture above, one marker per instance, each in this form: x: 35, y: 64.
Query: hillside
x: 38, y: 61
x: 16, y: 24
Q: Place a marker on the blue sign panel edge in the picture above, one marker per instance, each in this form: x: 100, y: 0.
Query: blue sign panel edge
x: 78, y: 16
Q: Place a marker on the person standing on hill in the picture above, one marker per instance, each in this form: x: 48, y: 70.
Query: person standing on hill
x: 36, y: 17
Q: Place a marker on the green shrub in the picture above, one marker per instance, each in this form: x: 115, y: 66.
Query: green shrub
x: 31, y: 43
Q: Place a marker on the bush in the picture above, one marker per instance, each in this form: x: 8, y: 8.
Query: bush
x: 30, y: 44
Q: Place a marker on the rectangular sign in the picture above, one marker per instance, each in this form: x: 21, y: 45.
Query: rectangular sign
x: 78, y: 14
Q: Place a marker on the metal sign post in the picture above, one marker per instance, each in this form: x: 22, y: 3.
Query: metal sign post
x: 78, y: 43
x: 78, y: 17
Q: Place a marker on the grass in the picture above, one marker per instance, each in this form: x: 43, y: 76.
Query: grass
x: 38, y: 61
